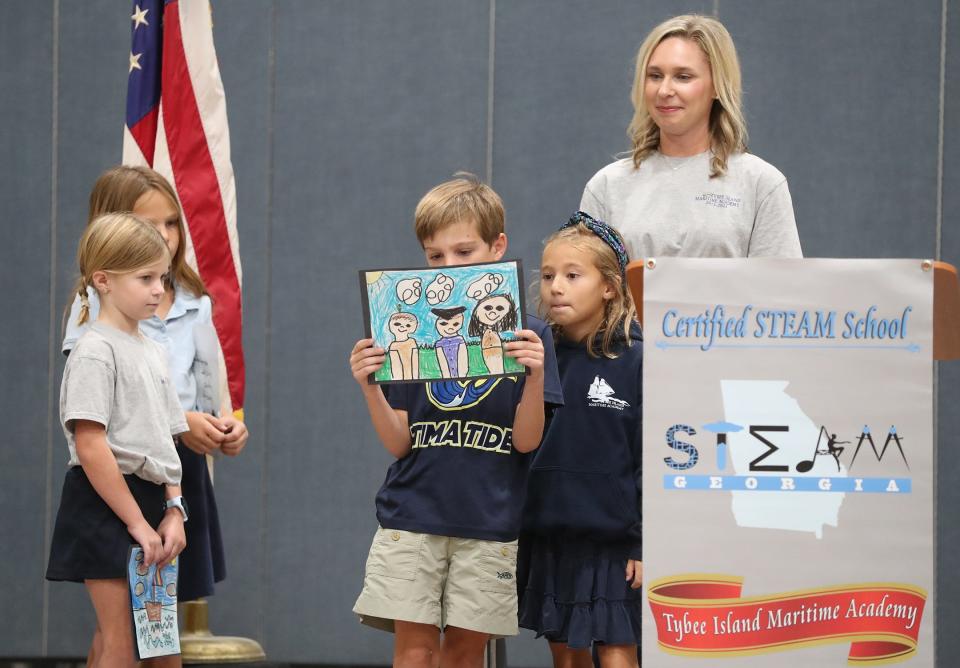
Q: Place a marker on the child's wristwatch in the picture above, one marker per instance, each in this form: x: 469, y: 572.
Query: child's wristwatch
x: 179, y: 503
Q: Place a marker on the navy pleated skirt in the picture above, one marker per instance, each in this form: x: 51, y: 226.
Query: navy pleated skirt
x: 89, y: 541
x: 576, y: 593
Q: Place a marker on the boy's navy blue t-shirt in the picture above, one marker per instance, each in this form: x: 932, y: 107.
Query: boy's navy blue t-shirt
x: 586, y: 477
x: 462, y: 476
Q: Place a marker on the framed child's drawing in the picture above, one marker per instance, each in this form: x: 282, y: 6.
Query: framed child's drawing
x: 444, y: 322
x: 153, y: 598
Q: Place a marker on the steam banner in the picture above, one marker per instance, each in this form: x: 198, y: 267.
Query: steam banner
x: 788, y: 446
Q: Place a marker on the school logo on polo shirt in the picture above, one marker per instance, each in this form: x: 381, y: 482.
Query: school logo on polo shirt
x: 601, y: 394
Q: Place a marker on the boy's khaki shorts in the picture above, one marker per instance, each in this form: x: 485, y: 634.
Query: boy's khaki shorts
x: 439, y: 580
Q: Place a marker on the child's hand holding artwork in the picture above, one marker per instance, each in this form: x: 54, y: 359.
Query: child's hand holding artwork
x: 148, y: 539
x: 365, y: 359
x: 172, y: 535
x: 527, y: 349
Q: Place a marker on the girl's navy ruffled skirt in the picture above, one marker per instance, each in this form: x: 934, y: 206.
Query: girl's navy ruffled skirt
x: 576, y: 593
x: 202, y: 563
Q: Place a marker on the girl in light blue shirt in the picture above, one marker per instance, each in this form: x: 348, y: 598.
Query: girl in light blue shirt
x: 183, y: 324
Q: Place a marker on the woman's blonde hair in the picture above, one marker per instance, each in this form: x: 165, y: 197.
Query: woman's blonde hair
x: 619, y: 312
x: 117, y: 243
x: 728, y: 128
x: 119, y: 189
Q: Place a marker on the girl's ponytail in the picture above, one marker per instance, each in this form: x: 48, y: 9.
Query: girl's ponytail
x: 84, y: 302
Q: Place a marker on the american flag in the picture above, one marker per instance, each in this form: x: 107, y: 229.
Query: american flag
x: 177, y: 124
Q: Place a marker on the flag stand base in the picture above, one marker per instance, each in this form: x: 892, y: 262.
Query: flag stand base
x: 199, y: 645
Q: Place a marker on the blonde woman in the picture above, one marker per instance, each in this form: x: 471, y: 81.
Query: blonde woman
x: 689, y: 187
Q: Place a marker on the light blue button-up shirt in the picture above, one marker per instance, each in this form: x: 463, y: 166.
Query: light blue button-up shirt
x: 188, y: 336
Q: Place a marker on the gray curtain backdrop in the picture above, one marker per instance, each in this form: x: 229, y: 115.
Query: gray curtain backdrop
x: 342, y: 114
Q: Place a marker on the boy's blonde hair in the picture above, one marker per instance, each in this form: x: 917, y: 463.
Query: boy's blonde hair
x: 619, y: 311
x: 464, y: 198
x: 728, y: 128
x: 119, y: 188
x: 117, y: 243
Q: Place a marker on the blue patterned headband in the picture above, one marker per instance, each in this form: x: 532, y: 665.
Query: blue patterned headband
x: 606, y: 233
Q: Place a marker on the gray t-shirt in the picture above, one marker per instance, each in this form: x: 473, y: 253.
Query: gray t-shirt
x: 120, y: 380
x: 671, y: 207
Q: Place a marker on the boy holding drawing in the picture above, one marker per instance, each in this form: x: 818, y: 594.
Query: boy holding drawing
x: 444, y: 558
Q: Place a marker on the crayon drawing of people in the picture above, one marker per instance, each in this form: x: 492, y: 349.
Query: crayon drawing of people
x: 404, y: 354
x: 451, y: 346
x: 492, y: 315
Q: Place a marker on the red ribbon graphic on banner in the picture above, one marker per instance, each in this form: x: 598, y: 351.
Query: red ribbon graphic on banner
x: 703, y: 615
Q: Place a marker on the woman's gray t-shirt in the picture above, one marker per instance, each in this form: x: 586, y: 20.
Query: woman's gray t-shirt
x: 671, y: 207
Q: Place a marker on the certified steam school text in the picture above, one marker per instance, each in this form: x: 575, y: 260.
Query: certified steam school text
x: 714, y: 323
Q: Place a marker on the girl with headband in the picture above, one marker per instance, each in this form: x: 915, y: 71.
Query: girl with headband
x: 580, y: 568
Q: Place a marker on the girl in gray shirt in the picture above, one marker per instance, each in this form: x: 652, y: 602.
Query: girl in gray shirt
x: 119, y: 413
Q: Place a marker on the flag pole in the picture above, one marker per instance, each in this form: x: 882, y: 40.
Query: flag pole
x: 176, y: 123
x: 198, y: 645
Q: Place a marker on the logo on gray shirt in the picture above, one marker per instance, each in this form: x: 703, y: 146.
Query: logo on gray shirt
x: 718, y: 201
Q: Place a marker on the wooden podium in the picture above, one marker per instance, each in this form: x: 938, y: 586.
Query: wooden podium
x: 946, y: 303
